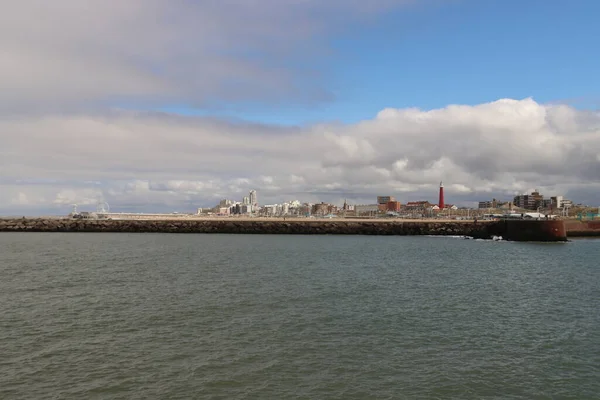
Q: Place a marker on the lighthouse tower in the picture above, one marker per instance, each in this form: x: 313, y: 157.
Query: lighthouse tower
x: 441, y: 202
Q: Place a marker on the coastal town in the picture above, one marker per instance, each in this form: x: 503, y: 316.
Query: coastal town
x: 528, y: 217
x: 532, y: 205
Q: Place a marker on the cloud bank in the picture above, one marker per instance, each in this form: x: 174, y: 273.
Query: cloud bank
x: 137, y: 159
x: 76, y: 77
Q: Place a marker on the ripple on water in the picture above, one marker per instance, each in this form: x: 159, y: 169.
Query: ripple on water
x: 226, y: 316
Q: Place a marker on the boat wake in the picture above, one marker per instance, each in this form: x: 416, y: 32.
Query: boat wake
x: 492, y: 239
x: 450, y: 236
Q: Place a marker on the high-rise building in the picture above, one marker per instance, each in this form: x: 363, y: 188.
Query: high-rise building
x: 253, y: 198
x: 441, y: 199
x: 246, y: 200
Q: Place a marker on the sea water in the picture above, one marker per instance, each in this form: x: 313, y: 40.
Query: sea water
x: 172, y: 316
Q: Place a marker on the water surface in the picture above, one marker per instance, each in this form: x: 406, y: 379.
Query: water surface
x: 138, y: 316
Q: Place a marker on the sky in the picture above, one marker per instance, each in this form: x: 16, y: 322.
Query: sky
x: 171, y: 105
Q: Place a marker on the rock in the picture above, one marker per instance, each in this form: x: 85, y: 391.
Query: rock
x: 482, y: 229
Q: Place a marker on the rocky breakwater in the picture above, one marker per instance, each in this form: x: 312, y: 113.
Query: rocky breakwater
x: 303, y: 227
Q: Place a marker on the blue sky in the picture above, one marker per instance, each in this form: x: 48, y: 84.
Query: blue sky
x: 456, y: 52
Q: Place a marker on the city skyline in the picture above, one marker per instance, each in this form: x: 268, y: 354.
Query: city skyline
x: 149, y: 107
x: 384, y: 203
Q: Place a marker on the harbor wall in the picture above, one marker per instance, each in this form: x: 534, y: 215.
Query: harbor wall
x: 576, y: 228
x: 525, y: 230
x: 510, y: 230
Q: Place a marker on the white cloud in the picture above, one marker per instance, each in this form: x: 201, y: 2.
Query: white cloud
x: 81, y: 197
x: 159, y: 160
x: 20, y: 199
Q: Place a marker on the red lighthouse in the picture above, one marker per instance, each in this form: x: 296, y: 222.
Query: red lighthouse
x: 441, y: 202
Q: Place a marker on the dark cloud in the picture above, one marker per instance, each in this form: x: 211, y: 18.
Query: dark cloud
x: 156, y: 52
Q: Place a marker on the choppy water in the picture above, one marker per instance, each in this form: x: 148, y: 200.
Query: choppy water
x: 153, y: 316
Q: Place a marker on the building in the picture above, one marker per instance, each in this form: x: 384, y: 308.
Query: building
x: 547, y: 203
x: 246, y: 200
x: 566, y: 203
x: 84, y: 215
x: 253, y: 198
x: 269, y: 210
x: 417, y: 205
x: 529, y: 201
x: 486, y: 204
x: 489, y: 204
x: 538, y: 199
x: 557, y: 201
x: 385, y: 199
x: 393, y: 206
x: 346, y: 208
x: 495, y: 204
x: 366, y: 209
x: 535, y: 200
x: 522, y: 201
x: 225, y: 203
x: 304, y: 209
x: 323, y: 209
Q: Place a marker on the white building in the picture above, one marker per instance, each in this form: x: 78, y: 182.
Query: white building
x: 269, y: 209
x: 252, y: 198
x: 557, y: 201
x: 225, y: 203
